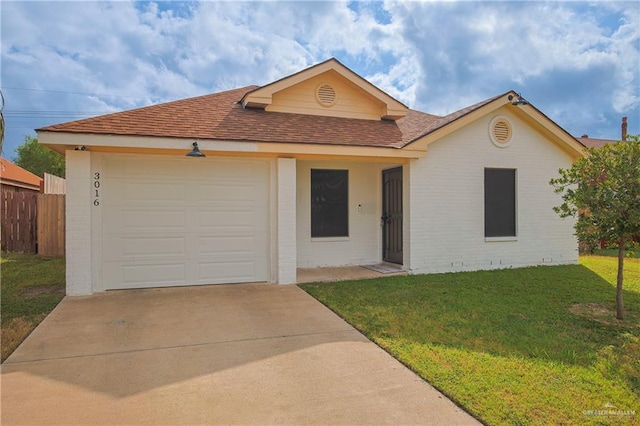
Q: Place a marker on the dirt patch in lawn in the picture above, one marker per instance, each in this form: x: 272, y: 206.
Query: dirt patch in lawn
x: 598, y: 312
x: 43, y: 289
x: 14, y: 331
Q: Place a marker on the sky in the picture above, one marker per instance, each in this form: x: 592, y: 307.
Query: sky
x: 577, y: 62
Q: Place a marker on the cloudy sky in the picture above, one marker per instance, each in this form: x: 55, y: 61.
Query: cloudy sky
x: 577, y: 62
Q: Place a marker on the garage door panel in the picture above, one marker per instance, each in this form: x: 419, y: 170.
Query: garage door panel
x: 249, y: 220
x: 153, y: 219
x: 233, y: 246
x: 124, y: 191
x: 147, y: 220
x: 123, y: 249
x: 140, y: 247
x: 238, y: 193
x: 207, y: 224
x: 153, y: 192
x: 140, y: 275
x: 224, y: 272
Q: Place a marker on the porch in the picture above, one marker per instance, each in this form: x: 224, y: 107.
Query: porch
x: 345, y: 273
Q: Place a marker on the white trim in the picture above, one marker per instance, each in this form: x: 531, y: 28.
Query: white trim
x: 500, y: 239
x: 328, y: 239
x: 60, y: 142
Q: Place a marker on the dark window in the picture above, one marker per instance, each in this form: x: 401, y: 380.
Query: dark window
x: 329, y: 203
x: 499, y: 202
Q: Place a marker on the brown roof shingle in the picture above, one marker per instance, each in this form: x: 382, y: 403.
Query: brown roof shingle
x: 595, y: 143
x: 15, y: 173
x: 220, y: 116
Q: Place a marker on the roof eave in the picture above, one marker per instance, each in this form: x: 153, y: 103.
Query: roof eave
x: 62, y: 142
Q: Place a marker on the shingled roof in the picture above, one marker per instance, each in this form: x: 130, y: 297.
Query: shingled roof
x: 12, y: 174
x: 220, y: 116
x: 594, y: 142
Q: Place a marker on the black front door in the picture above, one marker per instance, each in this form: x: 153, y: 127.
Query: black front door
x: 392, y: 215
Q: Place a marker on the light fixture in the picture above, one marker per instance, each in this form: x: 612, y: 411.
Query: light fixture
x: 519, y: 100
x: 195, y: 152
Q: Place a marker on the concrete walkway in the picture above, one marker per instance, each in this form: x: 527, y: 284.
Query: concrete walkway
x: 229, y: 354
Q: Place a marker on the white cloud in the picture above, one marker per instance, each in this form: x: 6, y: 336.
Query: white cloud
x: 469, y: 51
x: 578, y: 62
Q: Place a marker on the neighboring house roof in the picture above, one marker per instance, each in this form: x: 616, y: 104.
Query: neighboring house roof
x: 13, y: 175
x: 599, y: 143
x: 247, y: 115
x: 594, y: 143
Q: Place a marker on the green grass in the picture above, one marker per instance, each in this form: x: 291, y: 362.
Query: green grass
x: 30, y: 288
x: 521, y: 346
x: 633, y: 253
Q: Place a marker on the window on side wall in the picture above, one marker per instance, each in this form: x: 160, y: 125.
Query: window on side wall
x: 329, y: 203
x: 499, y: 203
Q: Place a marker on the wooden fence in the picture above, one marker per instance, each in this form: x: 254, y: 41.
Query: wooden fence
x: 33, y: 223
x: 53, y: 185
x: 19, y: 221
x: 51, y: 224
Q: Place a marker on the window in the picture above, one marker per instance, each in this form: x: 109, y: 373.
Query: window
x: 329, y: 203
x: 499, y: 202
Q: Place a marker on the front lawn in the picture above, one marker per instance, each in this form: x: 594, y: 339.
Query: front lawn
x: 30, y: 288
x: 520, y: 346
x: 613, y: 252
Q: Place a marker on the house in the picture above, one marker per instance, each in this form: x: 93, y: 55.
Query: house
x: 14, y: 178
x: 320, y: 168
x: 599, y: 143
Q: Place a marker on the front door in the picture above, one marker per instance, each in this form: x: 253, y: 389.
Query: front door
x: 392, y: 215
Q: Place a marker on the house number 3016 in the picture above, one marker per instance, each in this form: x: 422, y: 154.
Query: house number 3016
x: 96, y: 189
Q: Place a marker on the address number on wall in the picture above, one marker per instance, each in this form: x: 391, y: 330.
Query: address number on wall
x: 96, y: 189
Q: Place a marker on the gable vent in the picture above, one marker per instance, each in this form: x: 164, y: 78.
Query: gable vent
x: 500, y: 131
x: 326, y: 95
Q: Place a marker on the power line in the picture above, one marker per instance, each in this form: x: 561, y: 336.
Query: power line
x: 71, y: 93
x: 45, y: 114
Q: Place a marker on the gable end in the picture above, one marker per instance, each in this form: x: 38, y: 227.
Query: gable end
x: 344, y: 94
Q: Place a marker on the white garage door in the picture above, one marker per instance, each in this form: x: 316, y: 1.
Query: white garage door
x: 183, y: 221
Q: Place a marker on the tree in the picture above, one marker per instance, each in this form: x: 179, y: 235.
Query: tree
x: 39, y: 159
x: 603, y: 189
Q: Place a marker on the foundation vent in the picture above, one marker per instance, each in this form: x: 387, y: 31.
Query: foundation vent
x: 326, y: 95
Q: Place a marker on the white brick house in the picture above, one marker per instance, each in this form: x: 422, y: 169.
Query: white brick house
x: 320, y: 168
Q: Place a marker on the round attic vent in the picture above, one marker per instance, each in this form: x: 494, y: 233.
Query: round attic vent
x: 326, y: 95
x: 500, y: 131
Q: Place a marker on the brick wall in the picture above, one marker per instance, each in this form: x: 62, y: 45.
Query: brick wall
x: 78, y: 223
x: 364, y: 243
x: 447, y: 202
x: 286, y: 212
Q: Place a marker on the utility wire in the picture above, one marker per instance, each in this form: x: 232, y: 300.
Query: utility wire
x: 71, y: 93
x: 45, y: 114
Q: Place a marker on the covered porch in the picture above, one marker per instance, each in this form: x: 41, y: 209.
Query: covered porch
x: 348, y: 216
x: 346, y: 273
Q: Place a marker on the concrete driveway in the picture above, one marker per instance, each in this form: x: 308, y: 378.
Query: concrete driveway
x: 232, y: 354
